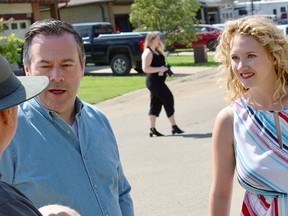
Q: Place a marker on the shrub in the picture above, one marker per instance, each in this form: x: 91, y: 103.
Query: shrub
x: 10, y: 46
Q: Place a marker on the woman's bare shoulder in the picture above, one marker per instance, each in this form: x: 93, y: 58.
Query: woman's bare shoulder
x: 224, y: 119
x: 227, y: 112
x: 146, y: 52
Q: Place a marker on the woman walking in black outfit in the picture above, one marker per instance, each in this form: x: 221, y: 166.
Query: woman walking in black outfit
x: 153, y: 64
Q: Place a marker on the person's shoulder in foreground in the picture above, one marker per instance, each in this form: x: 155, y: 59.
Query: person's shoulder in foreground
x: 13, y: 92
x: 73, y: 155
x: 15, y: 203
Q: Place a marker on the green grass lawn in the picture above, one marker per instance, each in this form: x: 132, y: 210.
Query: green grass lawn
x: 187, y: 60
x: 94, y: 89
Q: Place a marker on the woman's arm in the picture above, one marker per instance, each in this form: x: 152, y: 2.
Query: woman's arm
x: 146, y: 62
x: 223, y: 164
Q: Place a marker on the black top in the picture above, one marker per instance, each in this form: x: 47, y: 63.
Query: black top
x: 15, y: 203
x: 158, y: 60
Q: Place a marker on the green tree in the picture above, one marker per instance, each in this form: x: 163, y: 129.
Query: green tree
x: 175, y: 18
x: 10, y: 46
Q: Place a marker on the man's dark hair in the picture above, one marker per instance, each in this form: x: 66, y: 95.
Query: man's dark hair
x: 50, y: 27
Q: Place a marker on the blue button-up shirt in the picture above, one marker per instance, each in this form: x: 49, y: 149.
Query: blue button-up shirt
x: 50, y: 164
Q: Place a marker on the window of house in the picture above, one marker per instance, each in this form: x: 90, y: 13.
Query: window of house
x: 5, y: 26
x: 14, y: 26
x: 242, y: 12
x: 22, y: 25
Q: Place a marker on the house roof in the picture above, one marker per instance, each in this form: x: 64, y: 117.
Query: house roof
x: 83, y: 2
x: 34, y: 1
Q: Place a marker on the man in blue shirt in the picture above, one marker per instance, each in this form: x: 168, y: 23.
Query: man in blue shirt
x: 64, y: 150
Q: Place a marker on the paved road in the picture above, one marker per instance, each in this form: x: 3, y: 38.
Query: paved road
x: 171, y: 175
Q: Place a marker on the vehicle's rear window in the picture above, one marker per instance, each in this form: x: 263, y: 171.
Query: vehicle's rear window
x: 102, y: 29
x: 83, y: 30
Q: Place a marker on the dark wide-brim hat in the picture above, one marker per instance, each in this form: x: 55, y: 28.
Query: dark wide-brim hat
x: 15, y: 90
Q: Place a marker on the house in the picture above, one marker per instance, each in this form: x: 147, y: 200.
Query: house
x: 114, y: 11
x: 17, y: 8
x: 19, y: 14
x: 273, y: 9
x: 117, y: 12
x: 25, y: 12
x: 209, y: 11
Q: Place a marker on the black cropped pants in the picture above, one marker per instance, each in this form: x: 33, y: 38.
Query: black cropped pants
x: 160, y: 95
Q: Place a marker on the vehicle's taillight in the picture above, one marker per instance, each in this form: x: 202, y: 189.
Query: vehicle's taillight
x: 141, y: 44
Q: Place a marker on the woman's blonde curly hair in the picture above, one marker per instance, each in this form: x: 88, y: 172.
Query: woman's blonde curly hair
x: 271, y: 38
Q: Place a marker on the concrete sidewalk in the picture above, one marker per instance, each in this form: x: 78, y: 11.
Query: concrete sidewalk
x: 179, y: 71
x: 102, y: 70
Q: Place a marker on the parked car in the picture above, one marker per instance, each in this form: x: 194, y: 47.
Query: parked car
x: 219, y: 25
x: 122, y: 51
x: 207, y: 35
x: 282, y: 21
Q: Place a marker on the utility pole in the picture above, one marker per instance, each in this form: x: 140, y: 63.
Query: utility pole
x: 252, y: 7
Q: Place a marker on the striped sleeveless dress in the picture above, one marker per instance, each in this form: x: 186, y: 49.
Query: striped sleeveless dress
x: 261, y: 162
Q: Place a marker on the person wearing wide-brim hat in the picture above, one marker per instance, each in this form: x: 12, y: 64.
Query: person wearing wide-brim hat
x: 13, y: 91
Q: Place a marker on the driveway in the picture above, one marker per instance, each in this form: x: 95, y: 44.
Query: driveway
x: 170, y: 175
